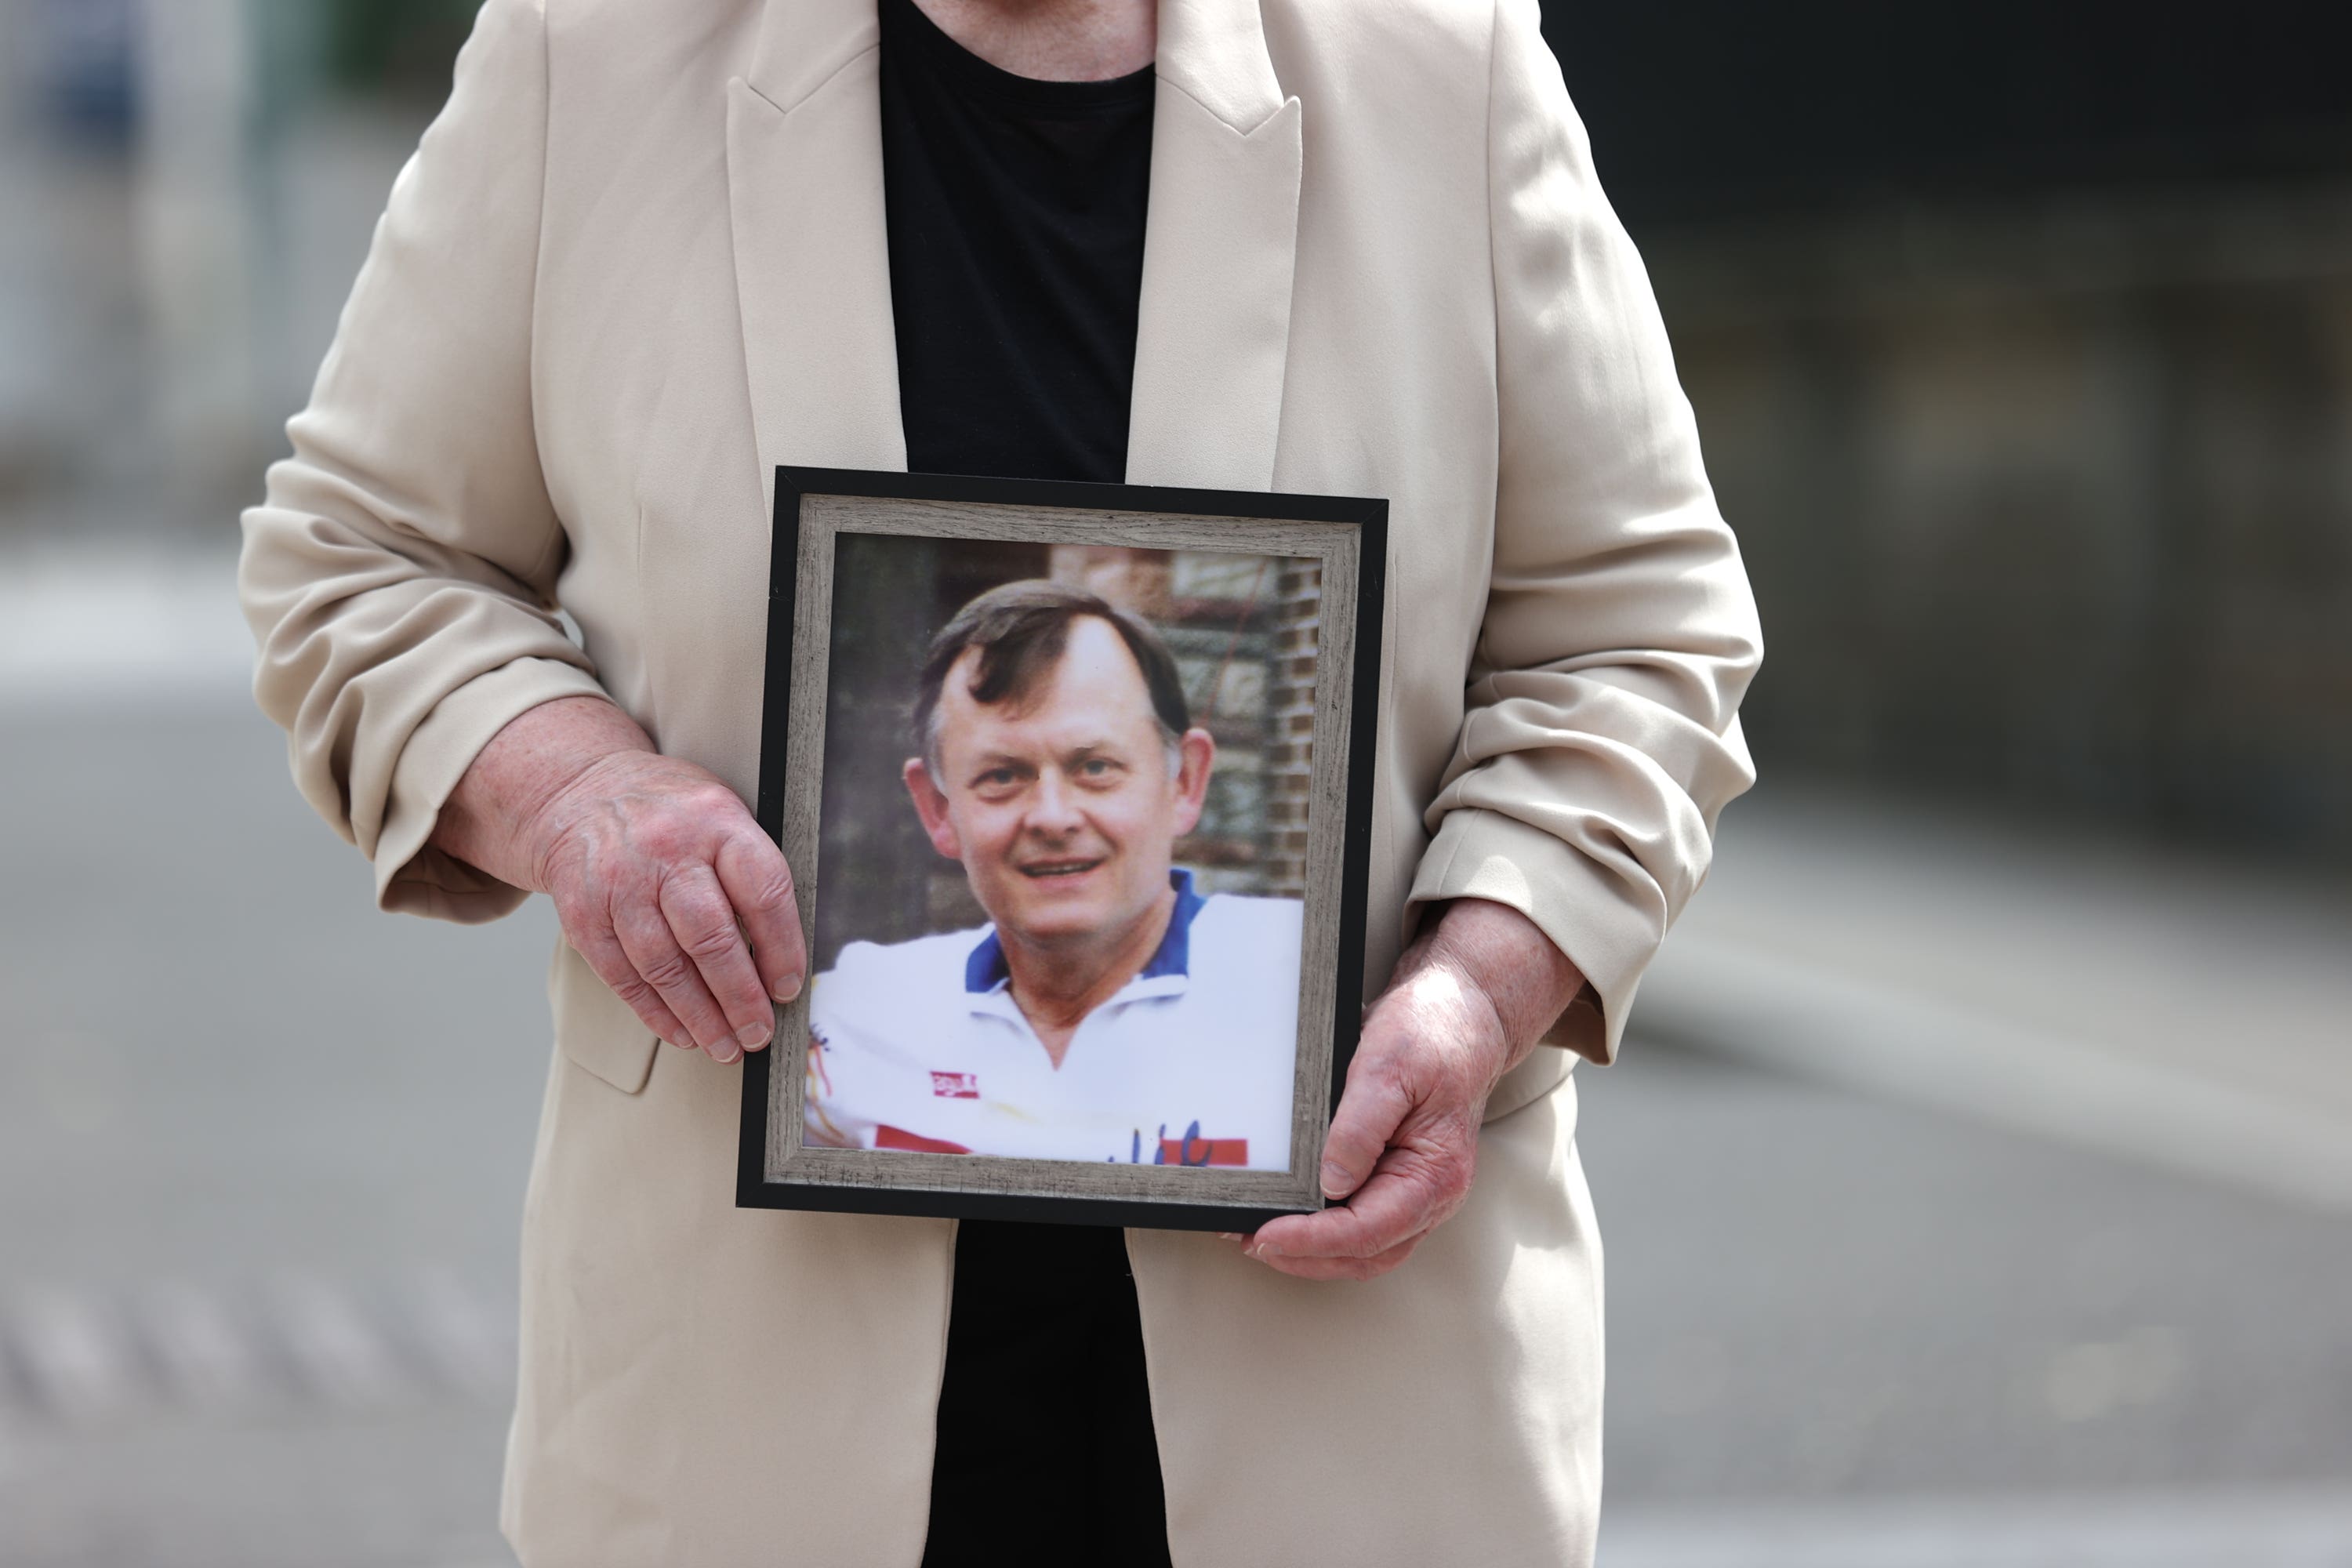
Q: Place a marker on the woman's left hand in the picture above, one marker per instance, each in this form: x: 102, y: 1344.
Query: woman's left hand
x: 1469, y: 1001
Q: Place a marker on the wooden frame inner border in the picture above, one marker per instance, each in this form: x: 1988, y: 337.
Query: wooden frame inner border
x: 1349, y: 537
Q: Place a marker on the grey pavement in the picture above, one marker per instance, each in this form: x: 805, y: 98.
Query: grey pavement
x: 261, y: 1148
x: 1814, y: 1295
x: 261, y: 1155
x: 2148, y: 1002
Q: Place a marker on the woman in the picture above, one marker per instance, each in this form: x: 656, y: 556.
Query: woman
x: 648, y: 252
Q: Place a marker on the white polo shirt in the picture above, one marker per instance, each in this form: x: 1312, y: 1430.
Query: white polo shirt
x: 920, y: 1045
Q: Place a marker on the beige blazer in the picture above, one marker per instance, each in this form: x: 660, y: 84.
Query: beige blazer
x: 639, y: 261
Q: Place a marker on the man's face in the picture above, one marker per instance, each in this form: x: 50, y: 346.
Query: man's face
x: 1065, y: 808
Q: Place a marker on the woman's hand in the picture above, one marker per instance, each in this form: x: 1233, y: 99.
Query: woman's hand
x: 1468, y: 1003
x: 663, y: 881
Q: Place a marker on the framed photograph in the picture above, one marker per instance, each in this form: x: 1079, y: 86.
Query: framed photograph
x: 1076, y: 784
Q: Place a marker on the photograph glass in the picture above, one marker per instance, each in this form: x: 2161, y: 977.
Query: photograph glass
x: 1063, y: 846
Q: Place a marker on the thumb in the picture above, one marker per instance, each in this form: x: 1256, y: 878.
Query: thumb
x: 1370, y: 1112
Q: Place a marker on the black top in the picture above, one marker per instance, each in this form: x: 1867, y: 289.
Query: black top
x: 1016, y: 257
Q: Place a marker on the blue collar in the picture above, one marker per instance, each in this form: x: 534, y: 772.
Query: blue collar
x: 986, y: 970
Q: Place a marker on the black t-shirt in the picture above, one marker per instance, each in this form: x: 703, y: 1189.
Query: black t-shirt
x: 1016, y: 216
x: 1016, y: 213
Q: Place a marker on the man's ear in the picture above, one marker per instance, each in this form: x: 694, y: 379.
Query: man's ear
x: 932, y: 808
x: 1197, y: 754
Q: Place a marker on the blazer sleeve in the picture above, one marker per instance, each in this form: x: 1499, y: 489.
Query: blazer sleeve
x: 1602, y: 737
x: 400, y: 573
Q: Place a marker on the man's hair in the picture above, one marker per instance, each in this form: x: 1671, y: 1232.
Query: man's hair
x: 1021, y: 630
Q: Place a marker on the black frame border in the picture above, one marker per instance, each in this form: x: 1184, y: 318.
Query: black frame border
x: 1368, y: 515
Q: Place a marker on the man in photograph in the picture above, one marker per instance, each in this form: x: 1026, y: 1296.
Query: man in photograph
x: 1108, y: 1010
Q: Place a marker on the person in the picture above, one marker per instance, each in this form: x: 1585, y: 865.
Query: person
x: 1106, y: 1001
x: 650, y: 252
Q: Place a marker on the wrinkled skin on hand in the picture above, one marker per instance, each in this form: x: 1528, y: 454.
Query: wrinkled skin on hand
x: 1468, y: 1003
x: 663, y: 880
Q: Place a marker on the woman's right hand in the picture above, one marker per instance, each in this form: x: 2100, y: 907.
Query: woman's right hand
x: 664, y: 882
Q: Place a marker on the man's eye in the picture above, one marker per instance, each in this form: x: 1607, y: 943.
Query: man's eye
x: 997, y: 778
x: 1098, y: 767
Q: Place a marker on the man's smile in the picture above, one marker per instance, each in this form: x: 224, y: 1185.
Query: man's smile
x: 1047, y: 871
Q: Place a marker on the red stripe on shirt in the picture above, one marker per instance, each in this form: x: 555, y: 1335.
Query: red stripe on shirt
x: 888, y: 1137
x: 1222, y: 1152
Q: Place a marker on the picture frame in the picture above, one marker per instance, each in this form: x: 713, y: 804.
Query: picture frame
x: 1269, y: 608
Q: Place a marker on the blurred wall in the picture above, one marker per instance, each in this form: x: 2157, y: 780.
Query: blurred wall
x: 2050, y: 505
x: 2021, y: 342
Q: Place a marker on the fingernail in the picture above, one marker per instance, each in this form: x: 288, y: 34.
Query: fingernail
x: 1262, y: 1249
x: 1335, y: 1181
x: 1228, y: 1235
x: 724, y: 1052
x: 788, y: 987
x: 753, y: 1037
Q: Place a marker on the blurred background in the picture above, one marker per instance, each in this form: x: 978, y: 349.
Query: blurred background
x: 1977, y: 1177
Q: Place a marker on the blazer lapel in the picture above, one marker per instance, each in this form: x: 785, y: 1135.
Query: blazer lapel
x: 812, y: 241
x: 1214, y: 331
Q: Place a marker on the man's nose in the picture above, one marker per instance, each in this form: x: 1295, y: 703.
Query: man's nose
x: 1053, y: 806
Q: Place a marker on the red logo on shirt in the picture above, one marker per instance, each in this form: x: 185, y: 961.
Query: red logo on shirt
x: 955, y: 1086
